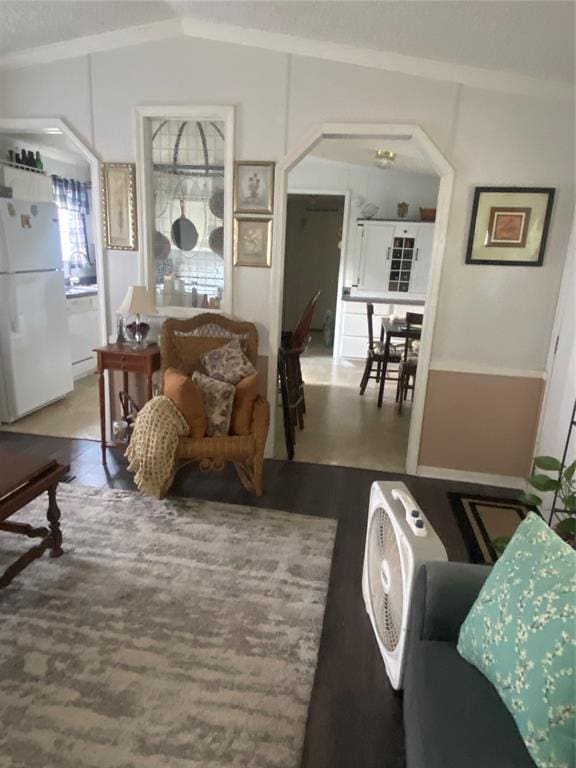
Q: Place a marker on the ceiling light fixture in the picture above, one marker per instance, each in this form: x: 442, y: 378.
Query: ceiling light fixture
x: 384, y: 158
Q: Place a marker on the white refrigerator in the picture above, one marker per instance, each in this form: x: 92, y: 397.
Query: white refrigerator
x: 35, y: 359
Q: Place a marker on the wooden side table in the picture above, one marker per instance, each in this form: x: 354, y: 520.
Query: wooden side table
x: 122, y: 357
x: 22, y: 479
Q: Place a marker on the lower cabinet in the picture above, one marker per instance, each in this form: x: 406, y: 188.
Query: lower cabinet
x: 354, y: 338
x: 84, y: 327
x: 354, y: 328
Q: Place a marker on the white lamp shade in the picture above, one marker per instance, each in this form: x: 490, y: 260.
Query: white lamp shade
x: 137, y: 302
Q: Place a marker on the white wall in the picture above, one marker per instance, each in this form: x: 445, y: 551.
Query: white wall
x: 383, y: 188
x: 495, y: 317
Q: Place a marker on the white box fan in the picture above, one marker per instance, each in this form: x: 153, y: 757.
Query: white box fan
x: 399, y: 539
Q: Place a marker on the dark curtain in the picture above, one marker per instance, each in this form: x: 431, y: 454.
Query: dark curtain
x: 74, y: 198
x: 71, y: 195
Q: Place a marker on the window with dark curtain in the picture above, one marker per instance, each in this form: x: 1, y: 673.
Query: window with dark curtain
x: 72, y: 199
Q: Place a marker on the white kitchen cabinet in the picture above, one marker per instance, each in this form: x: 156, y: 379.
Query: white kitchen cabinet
x: 375, y: 245
x: 354, y: 338
x: 83, y: 324
x: 422, y: 259
x: 395, y: 256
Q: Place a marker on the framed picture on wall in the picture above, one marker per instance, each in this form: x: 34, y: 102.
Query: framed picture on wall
x: 252, y: 241
x: 509, y: 226
x: 118, y: 193
x: 254, y: 187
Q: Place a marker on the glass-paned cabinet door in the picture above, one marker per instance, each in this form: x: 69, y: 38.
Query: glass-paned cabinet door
x: 401, y: 264
x: 188, y: 197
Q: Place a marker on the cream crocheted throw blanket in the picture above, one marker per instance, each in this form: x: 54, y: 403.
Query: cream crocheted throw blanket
x: 152, y: 449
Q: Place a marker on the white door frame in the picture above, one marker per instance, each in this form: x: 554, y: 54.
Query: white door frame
x: 562, y: 320
x: 446, y: 173
x: 45, y: 125
x: 347, y: 195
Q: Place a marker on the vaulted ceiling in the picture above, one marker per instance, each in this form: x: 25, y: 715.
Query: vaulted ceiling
x: 534, y: 38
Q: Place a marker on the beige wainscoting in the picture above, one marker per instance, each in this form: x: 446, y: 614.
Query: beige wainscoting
x: 480, y: 423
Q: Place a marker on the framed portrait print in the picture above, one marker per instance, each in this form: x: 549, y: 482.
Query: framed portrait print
x: 254, y: 187
x: 252, y: 241
x: 509, y: 225
x: 118, y: 192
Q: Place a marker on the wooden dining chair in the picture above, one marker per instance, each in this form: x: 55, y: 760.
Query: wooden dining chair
x: 292, y: 395
x: 409, y: 361
x: 296, y: 342
x: 290, y: 379
x: 376, y: 355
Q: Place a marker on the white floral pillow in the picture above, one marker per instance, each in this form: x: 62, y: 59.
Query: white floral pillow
x: 218, y: 398
x: 228, y: 363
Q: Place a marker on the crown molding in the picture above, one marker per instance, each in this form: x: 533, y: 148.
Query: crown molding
x: 81, y: 46
x: 474, y: 77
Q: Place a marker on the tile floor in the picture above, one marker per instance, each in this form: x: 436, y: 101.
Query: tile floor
x: 75, y: 416
x: 341, y: 427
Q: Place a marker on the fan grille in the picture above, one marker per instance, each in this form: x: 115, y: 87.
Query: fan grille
x: 385, y: 579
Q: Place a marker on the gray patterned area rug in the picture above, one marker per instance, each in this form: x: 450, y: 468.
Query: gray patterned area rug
x: 171, y: 634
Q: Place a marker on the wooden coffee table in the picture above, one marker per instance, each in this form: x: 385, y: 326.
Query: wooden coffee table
x: 22, y: 479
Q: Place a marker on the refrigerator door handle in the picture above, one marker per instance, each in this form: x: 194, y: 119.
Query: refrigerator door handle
x: 12, y: 301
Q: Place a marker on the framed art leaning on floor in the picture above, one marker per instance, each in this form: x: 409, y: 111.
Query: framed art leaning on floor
x: 509, y: 226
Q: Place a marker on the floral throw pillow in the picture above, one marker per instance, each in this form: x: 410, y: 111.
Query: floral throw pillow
x: 520, y: 635
x: 228, y: 363
x: 218, y: 397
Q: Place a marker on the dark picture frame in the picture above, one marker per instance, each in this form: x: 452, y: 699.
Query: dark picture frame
x: 509, y: 226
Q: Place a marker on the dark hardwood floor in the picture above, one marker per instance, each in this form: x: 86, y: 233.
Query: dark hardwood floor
x: 355, y: 717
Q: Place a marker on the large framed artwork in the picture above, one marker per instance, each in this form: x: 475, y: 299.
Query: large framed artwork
x: 252, y: 241
x: 254, y: 187
x: 509, y: 226
x: 118, y: 191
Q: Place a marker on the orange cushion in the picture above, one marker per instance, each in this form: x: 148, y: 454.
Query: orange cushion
x: 187, y: 397
x: 245, y: 393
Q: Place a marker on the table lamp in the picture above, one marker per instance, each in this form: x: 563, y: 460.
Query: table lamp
x: 137, y: 302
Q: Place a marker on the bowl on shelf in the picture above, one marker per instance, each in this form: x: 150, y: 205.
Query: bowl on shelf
x: 369, y: 210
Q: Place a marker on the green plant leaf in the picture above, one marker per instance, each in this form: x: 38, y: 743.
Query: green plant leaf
x: 549, y: 463
x: 530, y: 499
x: 568, y: 525
x: 570, y: 503
x: 544, y: 483
x: 500, y: 544
x: 569, y: 471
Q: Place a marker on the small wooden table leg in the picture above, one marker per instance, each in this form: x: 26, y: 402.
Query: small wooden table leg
x: 53, y: 516
x: 102, y: 396
x: 149, y: 381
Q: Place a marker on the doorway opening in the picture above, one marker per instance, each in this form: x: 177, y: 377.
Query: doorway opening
x: 314, y: 228
x: 51, y: 275
x: 387, y: 266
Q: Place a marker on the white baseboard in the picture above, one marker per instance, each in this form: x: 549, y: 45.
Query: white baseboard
x: 481, y: 478
x: 83, y: 368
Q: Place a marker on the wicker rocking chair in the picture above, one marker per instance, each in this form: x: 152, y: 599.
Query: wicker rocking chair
x: 182, y: 344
